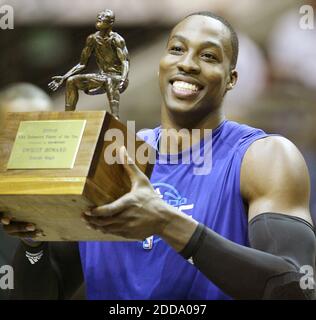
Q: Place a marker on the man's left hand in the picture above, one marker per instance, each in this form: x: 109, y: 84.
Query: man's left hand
x: 138, y: 214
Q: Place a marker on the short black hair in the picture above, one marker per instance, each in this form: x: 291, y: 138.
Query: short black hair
x: 233, y: 33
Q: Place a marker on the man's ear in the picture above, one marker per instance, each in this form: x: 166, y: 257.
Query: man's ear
x: 232, y: 80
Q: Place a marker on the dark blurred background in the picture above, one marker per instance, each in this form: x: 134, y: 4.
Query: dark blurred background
x: 277, y: 65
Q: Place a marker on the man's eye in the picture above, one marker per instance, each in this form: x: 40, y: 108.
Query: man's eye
x: 209, y: 56
x: 175, y: 49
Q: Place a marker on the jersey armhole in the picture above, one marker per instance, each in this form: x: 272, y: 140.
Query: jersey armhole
x: 242, y: 149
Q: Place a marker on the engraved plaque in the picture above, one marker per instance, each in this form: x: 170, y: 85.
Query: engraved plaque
x: 49, y: 144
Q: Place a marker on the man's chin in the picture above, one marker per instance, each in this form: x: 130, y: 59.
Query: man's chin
x: 101, y: 27
x: 186, y: 113
x: 182, y: 107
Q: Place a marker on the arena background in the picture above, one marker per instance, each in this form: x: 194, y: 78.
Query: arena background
x: 277, y: 65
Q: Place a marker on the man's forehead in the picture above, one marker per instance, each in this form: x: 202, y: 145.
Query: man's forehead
x: 104, y: 13
x: 205, y: 27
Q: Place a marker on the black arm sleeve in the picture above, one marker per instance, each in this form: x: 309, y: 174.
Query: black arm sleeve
x: 270, y: 269
x: 55, y: 275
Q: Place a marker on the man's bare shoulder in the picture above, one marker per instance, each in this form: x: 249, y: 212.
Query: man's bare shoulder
x: 274, y: 171
x: 91, y: 39
x: 275, y: 149
x: 118, y: 39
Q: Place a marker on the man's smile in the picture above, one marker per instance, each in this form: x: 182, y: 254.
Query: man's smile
x: 184, y: 87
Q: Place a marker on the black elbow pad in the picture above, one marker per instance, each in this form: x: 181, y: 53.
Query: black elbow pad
x: 292, y: 239
x: 282, y: 247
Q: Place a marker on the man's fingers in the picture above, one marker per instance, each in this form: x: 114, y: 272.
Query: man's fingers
x: 100, y: 221
x: 118, y: 230
x: 19, y: 227
x: 130, y: 167
x: 5, y: 220
x: 115, y: 228
x: 52, y: 87
x: 31, y: 235
x: 112, y: 208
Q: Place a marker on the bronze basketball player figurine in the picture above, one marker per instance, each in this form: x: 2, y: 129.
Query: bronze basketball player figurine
x: 113, y: 62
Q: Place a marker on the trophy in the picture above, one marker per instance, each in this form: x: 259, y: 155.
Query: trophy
x: 112, y: 60
x: 53, y: 164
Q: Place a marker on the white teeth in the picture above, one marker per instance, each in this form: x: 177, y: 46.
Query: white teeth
x: 181, y: 85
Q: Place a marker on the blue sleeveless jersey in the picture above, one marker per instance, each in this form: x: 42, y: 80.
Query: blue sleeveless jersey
x: 152, y: 269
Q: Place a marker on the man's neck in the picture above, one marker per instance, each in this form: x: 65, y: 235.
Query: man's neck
x: 178, y: 135
x: 105, y: 33
x: 210, y: 121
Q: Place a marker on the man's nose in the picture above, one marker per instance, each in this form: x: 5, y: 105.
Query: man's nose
x: 188, y: 64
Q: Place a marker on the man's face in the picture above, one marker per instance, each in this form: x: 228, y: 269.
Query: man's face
x: 195, y: 69
x: 103, y: 21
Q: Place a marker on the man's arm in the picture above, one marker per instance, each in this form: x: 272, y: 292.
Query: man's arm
x: 84, y: 59
x: 281, y: 243
x: 123, y: 55
x: 275, y: 184
x: 51, y: 270
x: 42, y: 270
x: 274, y: 178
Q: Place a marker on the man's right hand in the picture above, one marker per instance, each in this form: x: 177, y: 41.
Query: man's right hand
x: 56, y: 83
x: 24, y: 230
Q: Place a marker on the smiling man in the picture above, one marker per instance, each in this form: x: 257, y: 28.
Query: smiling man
x: 197, y: 70
x: 243, y: 230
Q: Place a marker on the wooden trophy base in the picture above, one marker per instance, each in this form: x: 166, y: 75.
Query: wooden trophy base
x: 54, y: 199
